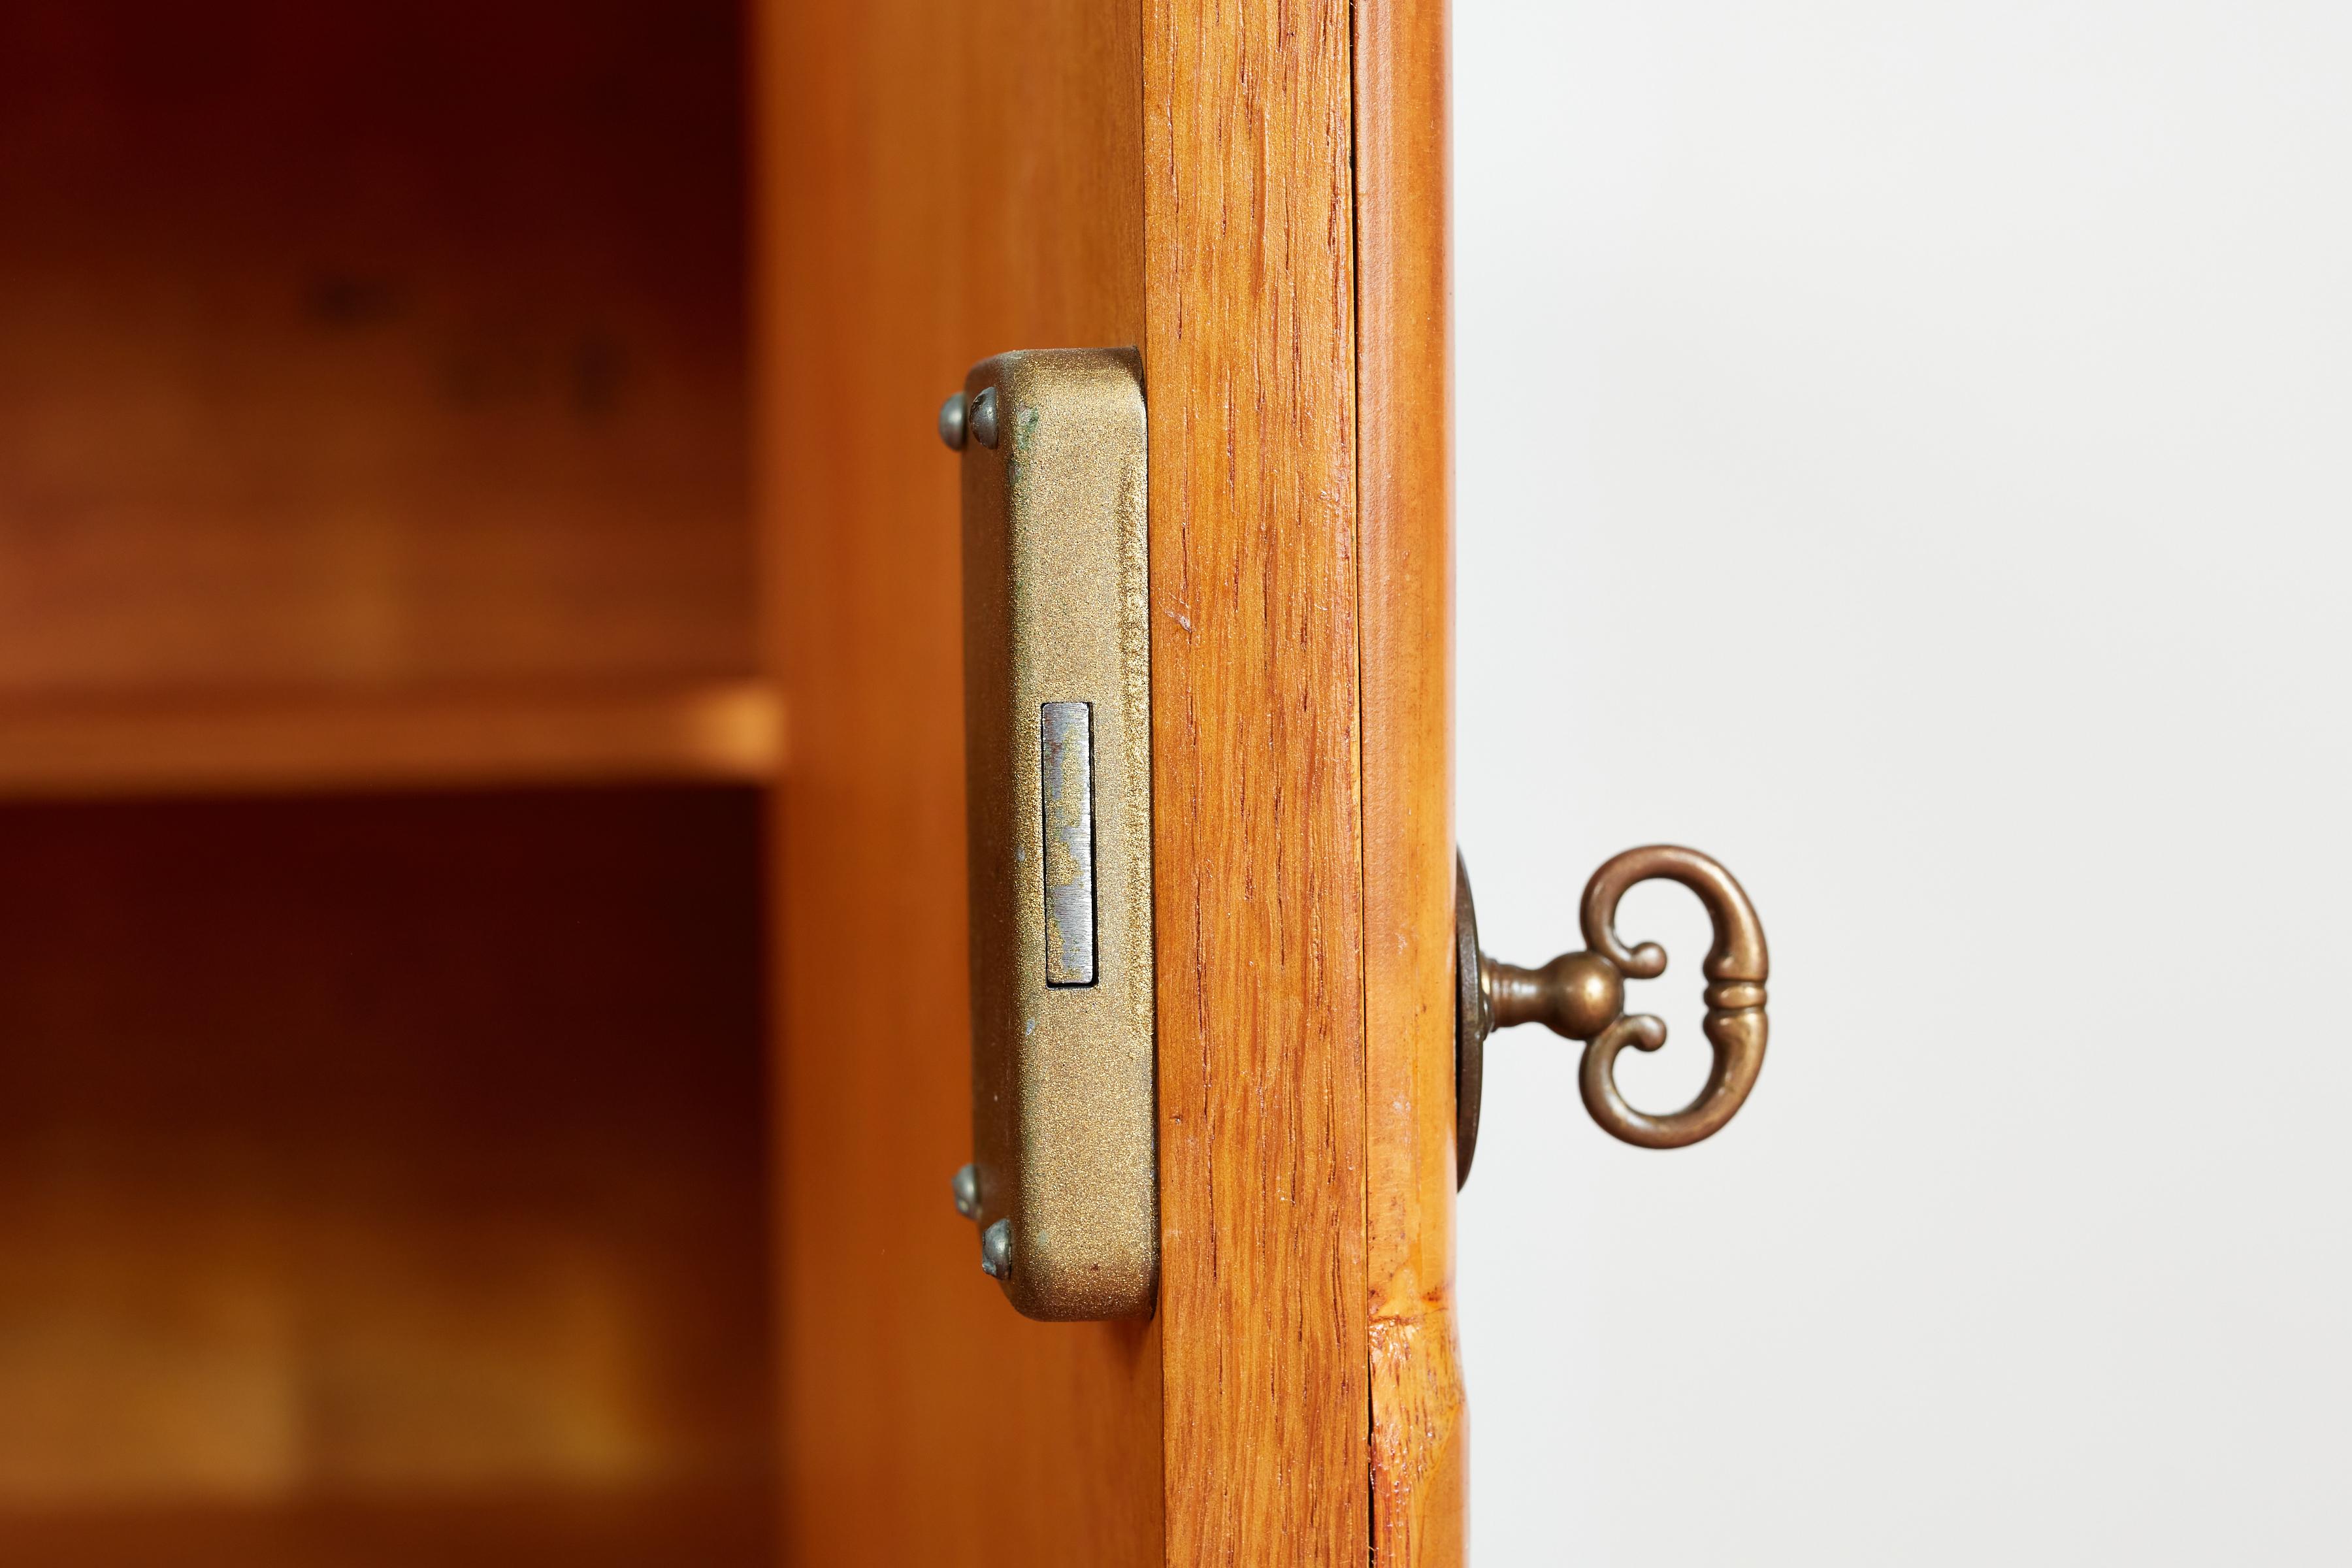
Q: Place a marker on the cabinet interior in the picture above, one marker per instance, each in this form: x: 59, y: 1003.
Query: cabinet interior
x: 383, y: 761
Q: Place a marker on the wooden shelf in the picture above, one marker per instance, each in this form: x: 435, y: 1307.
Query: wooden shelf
x: 336, y: 741
x: 383, y: 1162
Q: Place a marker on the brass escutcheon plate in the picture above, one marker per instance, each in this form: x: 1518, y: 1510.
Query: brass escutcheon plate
x: 1057, y: 719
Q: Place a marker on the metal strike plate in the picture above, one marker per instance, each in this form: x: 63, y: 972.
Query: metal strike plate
x: 1057, y: 727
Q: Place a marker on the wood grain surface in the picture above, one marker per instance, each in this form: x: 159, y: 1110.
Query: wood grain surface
x: 472, y: 1526
x: 370, y: 344
x: 475, y: 735
x: 1250, y: 360
x: 383, y: 1180
x: 1404, y: 412
x: 937, y: 184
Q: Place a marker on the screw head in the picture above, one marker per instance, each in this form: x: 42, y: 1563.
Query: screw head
x: 967, y: 1192
x: 984, y: 416
x: 996, y: 1249
x: 952, y: 421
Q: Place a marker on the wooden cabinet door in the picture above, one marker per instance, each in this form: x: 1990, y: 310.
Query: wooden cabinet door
x: 1253, y: 195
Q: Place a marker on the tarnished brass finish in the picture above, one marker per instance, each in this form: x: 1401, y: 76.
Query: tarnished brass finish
x: 1582, y: 996
x: 1057, y: 719
x: 1472, y: 1022
x: 1576, y: 994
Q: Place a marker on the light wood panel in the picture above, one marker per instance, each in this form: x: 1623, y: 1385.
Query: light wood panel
x: 937, y: 184
x: 461, y: 737
x: 382, y: 1171
x: 1250, y: 356
x: 371, y: 344
x: 1404, y: 406
x: 937, y: 193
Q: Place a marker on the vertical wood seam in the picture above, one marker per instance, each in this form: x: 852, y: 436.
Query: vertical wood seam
x: 1251, y: 303
x: 1403, y: 510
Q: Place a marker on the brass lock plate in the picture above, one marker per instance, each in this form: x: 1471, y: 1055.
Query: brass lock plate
x: 1057, y: 721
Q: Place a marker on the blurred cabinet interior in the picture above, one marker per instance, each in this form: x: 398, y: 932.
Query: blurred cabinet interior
x: 382, y: 756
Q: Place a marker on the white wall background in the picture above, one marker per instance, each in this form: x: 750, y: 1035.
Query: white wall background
x: 1905, y: 450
